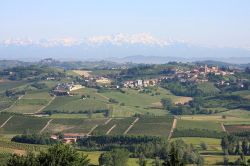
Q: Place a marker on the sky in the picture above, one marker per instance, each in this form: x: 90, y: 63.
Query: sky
x: 212, y: 23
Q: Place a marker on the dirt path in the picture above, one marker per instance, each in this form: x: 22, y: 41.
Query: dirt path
x: 93, y: 128
x: 107, y: 133
x: 6, y: 122
x: 46, y: 125
x: 12, y: 104
x: 107, y: 121
x: 172, y: 129
x: 223, y: 127
x: 132, y: 124
x: 40, y: 110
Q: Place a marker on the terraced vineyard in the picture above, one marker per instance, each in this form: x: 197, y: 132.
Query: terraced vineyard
x: 73, y: 125
x: 121, y: 124
x: 3, y: 118
x: 5, y: 102
x: 31, y: 102
x: 152, y: 126
x: 19, y: 124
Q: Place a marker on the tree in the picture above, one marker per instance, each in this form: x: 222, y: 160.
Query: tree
x: 105, y: 159
x: 226, y: 160
x: 142, y: 160
x: 119, y: 157
x: 114, y: 158
x: 203, y: 146
x: 176, y: 154
x: 157, y: 162
x: 57, y: 155
x: 238, y: 148
x: 28, y: 160
x: 244, y: 147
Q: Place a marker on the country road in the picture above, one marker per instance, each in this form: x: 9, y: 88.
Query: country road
x: 46, y: 125
x: 6, y: 122
x: 132, y: 124
x: 172, y: 129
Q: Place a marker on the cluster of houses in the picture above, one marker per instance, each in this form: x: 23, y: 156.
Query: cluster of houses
x: 140, y: 83
x: 63, y: 89
x: 198, y: 74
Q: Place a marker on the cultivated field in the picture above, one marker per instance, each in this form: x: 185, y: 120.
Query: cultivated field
x: 237, y: 128
x: 121, y: 124
x: 152, y: 126
x: 73, y: 125
x: 85, y: 73
x: 192, y: 124
x: 7, y: 85
x: 19, y: 124
x: 70, y: 104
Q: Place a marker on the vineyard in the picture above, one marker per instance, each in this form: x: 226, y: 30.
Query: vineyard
x: 75, y: 104
x: 195, y: 124
x: 237, y: 128
x: 3, y: 118
x: 121, y: 124
x: 18, y: 124
x: 73, y: 125
x: 152, y: 126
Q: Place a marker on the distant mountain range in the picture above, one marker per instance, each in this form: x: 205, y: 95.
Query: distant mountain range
x: 137, y: 49
x: 112, y: 63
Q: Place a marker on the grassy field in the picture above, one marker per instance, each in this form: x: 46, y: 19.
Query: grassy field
x: 218, y: 159
x: 152, y: 126
x: 135, y: 102
x: 238, y: 113
x: 213, y: 144
x: 93, y: 156
x: 19, y: 124
x: 132, y: 102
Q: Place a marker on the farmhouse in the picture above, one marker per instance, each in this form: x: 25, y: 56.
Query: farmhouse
x: 63, y: 89
x: 70, y: 137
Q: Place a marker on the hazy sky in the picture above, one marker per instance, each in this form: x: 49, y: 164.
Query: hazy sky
x: 220, y: 23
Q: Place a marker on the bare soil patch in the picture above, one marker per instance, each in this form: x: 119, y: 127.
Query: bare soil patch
x: 84, y: 73
x: 237, y: 128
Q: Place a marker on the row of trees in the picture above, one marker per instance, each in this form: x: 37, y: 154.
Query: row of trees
x: 232, y: 145
x: 43, y: 139
x: 175, y: 154
x: 190, y: 108
x: 142, y: 147
x: 57, y: 155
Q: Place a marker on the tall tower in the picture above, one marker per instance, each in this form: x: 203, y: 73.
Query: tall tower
x: 206, y: 69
